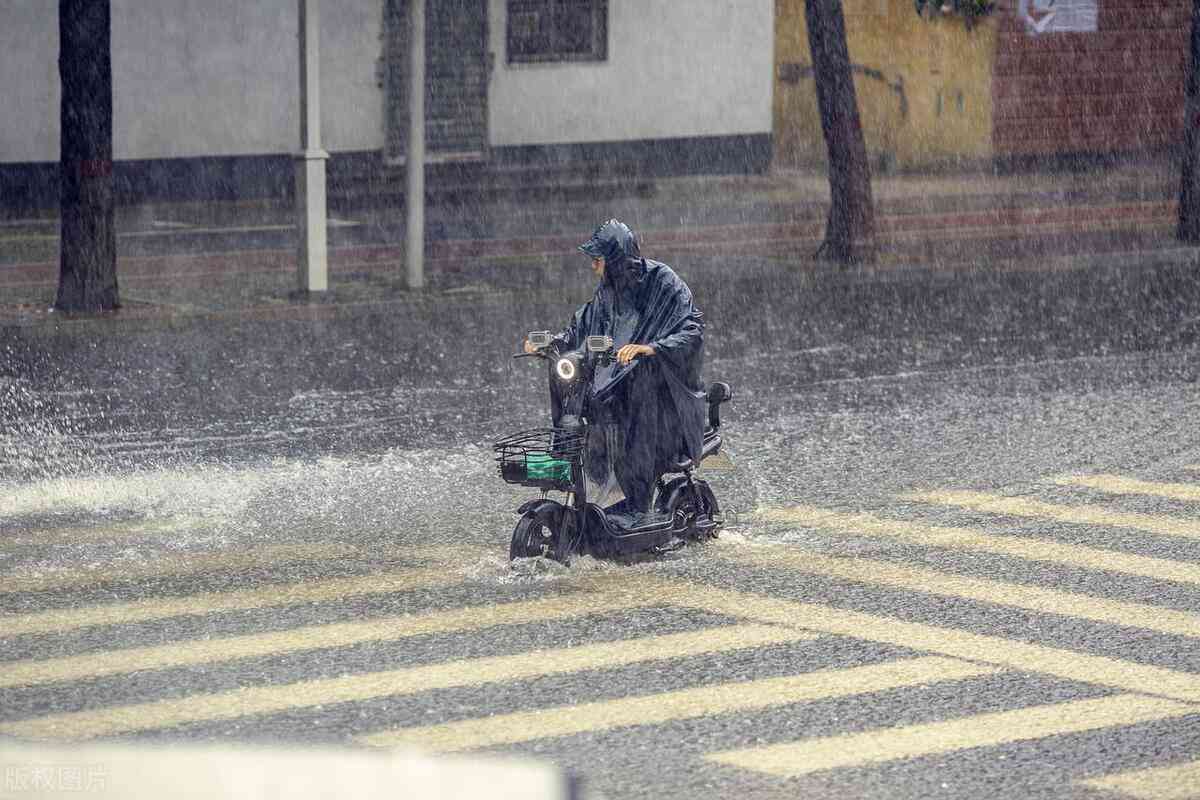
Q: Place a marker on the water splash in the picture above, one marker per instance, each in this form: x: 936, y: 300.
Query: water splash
x: 37, y: 439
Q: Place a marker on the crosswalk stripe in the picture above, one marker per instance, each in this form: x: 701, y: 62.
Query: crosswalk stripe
x: 66, y: 619
x: 955, y: 643
x: 172, y: 564
x: 1073, y: 555
x: 701, y: 701
x: 927, y: 581
x: 1078, y: 514
x: 178, y: 654
x: 90, y: 533
x: 249, y: 701
x: 1175, y: 782
x: 934, y: 738
x: 1117, y: 484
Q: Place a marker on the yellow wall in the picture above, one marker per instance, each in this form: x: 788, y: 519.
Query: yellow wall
x: 942, y: 71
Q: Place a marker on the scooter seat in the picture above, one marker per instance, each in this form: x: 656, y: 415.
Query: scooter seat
x: 711, y: 445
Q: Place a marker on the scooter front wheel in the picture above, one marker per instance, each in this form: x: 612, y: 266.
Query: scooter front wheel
x: 544, y: 531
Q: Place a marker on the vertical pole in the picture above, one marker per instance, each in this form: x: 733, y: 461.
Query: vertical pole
x: 312, y: 259
x: 415, y: 161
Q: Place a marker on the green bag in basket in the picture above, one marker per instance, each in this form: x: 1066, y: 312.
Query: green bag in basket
x: 541, y: 467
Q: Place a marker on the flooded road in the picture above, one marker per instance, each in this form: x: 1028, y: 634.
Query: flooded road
x: 963, y: 511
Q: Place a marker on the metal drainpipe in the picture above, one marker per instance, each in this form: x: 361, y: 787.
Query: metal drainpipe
x: 415, y: 163
x: 313, y: 259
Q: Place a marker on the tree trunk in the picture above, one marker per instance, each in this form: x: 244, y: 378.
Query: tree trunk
x: 87, y: 279
x: 1189, y: 189
x: 850, y: 229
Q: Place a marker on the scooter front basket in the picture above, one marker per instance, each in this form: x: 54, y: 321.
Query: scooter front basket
x: 543, y: 458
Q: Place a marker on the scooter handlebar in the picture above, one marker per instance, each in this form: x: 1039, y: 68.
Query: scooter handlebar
x: 608, y: 357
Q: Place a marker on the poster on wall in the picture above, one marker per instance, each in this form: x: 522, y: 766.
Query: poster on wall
x: 1058, y: 16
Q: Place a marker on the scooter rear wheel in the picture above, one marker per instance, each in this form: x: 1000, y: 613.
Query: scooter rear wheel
x: 708, y: 521
x: 543, y: 532
x: 694, y: 509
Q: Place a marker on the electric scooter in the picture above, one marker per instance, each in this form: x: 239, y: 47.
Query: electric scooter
x: 555, y: 459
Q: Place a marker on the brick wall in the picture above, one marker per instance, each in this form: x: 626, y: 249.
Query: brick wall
x: 1119, y: 89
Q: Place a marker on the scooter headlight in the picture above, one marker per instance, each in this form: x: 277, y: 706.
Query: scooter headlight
x: 566, y: 369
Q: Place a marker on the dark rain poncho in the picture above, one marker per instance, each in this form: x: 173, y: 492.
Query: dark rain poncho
x: 651, y: 412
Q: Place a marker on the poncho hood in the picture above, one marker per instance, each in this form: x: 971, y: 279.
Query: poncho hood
x: 613, y: 241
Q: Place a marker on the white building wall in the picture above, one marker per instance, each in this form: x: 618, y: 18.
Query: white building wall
x: 351, y: 93
x: 211, y: 78
x: 218, y: 77
x: 221, y: 77
x: 675, y: 68
x: 29, y: 88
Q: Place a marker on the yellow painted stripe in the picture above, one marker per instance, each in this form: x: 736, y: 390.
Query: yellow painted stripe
x: 170, y: 564
x: 449, y: 556
x: 721, y: 462
x: 1016, y: 595
x: 469, y: 672
x: 949, y: 736
x: 91, y: 533
x: 1032, y: 549
x: 1176, y: 782
x: 66, y: 619
x: 312, y: 637
x: 702, y: 701
x: 1116, y: 484
x: 1068, y: 664
x: 1078, y: 514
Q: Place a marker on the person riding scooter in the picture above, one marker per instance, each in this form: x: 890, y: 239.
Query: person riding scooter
x: 647, y: 409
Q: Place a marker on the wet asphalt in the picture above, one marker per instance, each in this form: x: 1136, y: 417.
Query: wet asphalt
x: 854, y: 394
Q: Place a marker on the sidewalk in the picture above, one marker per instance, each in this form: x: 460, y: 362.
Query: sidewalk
x: 190, y: 262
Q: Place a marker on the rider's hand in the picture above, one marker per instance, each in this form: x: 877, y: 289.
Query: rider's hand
x: 529, y: 348
x: 631, y: 351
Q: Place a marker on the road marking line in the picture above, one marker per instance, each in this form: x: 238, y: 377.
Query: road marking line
x: 172, y: 564
x: 285, y: 594
x: 1176, y: 782
x: 949, y: 736
x: 1016, y: 595
x: 449, y: 556
x: 1026, y: 657
x: 1081, y: 515
x: 701, y: 701
x: 309, y: 637
x: 259, y: 700
x: 1032, y: 549
x: 1116, y: 484
x: 720, y: 462
x: 90, y: 533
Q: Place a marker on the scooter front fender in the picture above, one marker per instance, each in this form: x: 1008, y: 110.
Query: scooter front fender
x: 530, y: 505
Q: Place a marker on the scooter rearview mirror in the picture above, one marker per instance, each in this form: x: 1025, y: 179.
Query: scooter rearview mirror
x: 540, y: 339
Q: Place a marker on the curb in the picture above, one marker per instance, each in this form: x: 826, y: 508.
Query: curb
x: 891, y: 229
x: 38, y: 323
